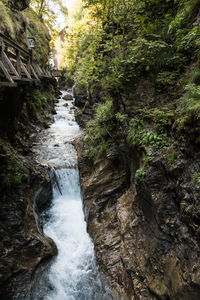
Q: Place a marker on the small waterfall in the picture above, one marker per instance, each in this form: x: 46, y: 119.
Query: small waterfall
x: 73, y: 274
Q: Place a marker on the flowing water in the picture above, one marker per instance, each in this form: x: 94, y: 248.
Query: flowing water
x: 73, y: 274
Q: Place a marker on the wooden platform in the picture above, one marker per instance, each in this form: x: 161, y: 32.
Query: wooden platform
x: 18, y: 66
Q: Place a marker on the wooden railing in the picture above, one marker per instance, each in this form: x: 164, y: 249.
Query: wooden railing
x: 17, y: 65
x: 56, y: 73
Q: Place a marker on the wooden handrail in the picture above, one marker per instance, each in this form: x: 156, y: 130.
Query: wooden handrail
x: 13, y: 44
x: 18, y: 64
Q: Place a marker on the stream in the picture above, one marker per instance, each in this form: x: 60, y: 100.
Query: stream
x: 73, y: 274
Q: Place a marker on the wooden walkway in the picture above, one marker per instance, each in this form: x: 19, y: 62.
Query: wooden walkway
x: 17, y: 65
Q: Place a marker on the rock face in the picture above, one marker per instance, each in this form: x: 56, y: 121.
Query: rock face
x: 145, y: 233
x: 23, y: 244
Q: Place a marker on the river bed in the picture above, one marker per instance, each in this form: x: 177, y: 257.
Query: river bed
x: 73, y: 274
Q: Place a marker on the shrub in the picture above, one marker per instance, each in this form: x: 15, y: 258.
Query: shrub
x: 141, y: 172
x: 140, y: 136
x: 10, y: 166
x: 196, y: 178
x: 6, y: 23
x: 188, y: 105
x: 100, y: 131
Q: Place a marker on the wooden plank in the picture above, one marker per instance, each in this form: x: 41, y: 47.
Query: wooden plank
x: 25, y: 70
x: 8, y: 84
x: 48, y: 72
x: 6, y: 72
x: 12, y: 68
x: 36, y: 68
x: 18, y: 63
x: 20, y: 79
x: 34, y: 73
x: 40, y: 69
x: 44, y: 71
x: 13, y: 44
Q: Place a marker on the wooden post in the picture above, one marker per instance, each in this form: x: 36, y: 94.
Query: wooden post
x: 9, y: 63
x: 29, y: 65
x: 19, y: 63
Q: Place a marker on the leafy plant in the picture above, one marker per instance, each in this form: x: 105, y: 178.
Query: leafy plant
x: 6, y: 20
x: 188, y: 105
x: 38, y: 99
x: 99, y: 131
x: 166, y: 79
x: 142, y: 137
x: 172, y: 155
x: 162, y: 118
x: 196, y: 177
x: 10, y: 166
x: 141, y: 172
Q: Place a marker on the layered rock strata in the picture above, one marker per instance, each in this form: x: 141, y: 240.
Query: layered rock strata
x: 146, y: 241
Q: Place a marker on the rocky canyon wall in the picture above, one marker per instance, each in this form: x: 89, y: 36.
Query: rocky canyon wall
x: 25, y: 186
x: 145, y: 228
x: 145, y: 244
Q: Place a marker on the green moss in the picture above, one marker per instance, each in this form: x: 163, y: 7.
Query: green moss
x: 195, y: 76
x: 12, y: 24
x: 11, y: 167
x: 100, y: 131
x: 142, y: 137
x: 171, y: 156
x: 6, y: 22
x: 140, y: 174
x: 39, y: 98
x: 196, y: 178
x: 38, y: 30
x: 188, y: 106
x: 162, y: 118
x: 166, y: 80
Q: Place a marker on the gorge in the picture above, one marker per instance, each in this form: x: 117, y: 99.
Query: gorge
x: 100, y: 190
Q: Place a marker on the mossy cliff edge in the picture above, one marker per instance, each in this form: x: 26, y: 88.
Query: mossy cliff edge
x: 18, y: 20
x: 139, y: 158
x: 24, y: 111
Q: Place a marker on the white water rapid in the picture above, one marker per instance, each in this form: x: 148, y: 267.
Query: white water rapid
x: 73, y: 274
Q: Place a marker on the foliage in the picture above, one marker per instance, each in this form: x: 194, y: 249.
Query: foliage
x: 141, y: 172
x: 100, y: 130
x: 142, y: 137
x: 111, y: 46
x: 39, y: 31
x: 114, y: 44
x: 172, y: 154
x: 12, y: 24
x: 196, y: 177
x: 6, y: 23
x: 38, y: 99
x: 49, y: 11
x: 195, y: 76
x: 10, y: 166
x: 189, y: 105
x: 162, y: 118
x: 166, y: 80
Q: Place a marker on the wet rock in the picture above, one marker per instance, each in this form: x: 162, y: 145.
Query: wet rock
x: 146, y: 232
x: 53, y: 111
x: 68, y: 97
x: 23, y: 244
x: 44, y: 194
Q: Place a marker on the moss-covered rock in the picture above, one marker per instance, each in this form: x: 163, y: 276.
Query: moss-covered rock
x: 16, y: 24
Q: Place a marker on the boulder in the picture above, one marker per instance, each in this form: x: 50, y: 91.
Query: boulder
x: 68, y: 97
